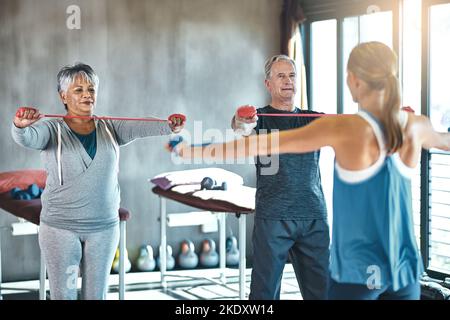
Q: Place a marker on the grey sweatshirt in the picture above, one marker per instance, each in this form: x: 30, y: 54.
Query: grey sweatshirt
x: 87, y: 198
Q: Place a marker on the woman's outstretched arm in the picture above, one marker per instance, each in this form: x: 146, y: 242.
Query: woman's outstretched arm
x: 432, y: 138
x: 318, y: 134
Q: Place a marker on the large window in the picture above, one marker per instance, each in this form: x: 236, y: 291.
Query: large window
x: 324, y: 46
x: 410, y: 75
x: 323, y: 65
x: 368, y: 27
x: 324, y: 93
x: 419, y: 31
x: 439, y: 105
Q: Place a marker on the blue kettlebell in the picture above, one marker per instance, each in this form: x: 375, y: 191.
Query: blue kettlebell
x: 209, y: 256
x: 170, y: 261
x: 232, y: 257
x: 187, y: 258
x: 145, y: 261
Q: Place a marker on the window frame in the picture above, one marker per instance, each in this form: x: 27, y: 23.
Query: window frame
x: 425, y: 214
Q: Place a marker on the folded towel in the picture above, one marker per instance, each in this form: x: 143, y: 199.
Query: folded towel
x: 240, y: 196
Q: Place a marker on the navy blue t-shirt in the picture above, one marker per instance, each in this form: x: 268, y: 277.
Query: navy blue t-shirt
x: 288, y: 185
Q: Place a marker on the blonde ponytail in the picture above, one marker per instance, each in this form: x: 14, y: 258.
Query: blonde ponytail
x: 390, y: 120
x: 376, y: 64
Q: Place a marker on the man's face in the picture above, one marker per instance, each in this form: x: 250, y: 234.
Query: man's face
x: 282, y: 81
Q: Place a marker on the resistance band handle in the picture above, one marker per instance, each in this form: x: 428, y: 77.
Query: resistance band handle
x: 21, y: 111
x: 408, y: 109
x: 177, y: 115
x: 246, y: 112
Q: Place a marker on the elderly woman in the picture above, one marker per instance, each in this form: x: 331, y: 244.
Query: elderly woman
x: 79, y: 219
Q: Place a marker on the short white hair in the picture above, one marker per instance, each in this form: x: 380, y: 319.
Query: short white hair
x: 279, y: 57
x: 68, y: 74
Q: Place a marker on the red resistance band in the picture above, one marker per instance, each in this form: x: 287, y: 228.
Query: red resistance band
x: 250, y: 112
x: 21, y: 110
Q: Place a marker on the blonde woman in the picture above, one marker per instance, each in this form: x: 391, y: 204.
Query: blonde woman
x: 374, y: 254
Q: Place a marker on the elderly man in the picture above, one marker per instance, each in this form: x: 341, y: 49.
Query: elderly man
x: 291, y: 215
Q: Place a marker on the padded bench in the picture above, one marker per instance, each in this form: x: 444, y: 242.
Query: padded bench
x: 30, y: 210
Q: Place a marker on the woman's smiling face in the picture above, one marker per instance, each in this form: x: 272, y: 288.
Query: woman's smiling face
x: 80, y: 97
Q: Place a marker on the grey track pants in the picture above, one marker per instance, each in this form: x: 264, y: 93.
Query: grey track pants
x: 306, y: 242
x: 66, y: 253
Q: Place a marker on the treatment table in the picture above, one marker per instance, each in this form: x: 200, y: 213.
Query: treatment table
x: 210, y: 200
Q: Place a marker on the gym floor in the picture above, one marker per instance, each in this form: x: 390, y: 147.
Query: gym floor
x: 182, y: 285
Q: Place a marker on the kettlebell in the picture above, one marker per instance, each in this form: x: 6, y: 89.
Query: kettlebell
x: 187, y: 258
x: 145, y: 261
x: 115, y: 264
x: 170, y: 264
x: 210, y: 184
x: 209, y: 256
x: 232, y: 257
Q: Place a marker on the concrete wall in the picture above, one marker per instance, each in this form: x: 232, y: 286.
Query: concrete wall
x: 202, y: 58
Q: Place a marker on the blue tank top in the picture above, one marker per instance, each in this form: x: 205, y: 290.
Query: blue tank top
x: 373, y: 233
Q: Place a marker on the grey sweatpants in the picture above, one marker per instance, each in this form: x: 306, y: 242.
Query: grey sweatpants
x: 67, y: 252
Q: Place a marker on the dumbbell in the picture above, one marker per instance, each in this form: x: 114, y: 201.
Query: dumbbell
x: 210, y: 184
x: 178, y: 139
x: 34, y: 191
x: 174, y: 141
x: 18, y: 194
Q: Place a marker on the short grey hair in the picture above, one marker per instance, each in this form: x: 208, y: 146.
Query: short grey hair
x: 68, y: 73
x: 279, y: 57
